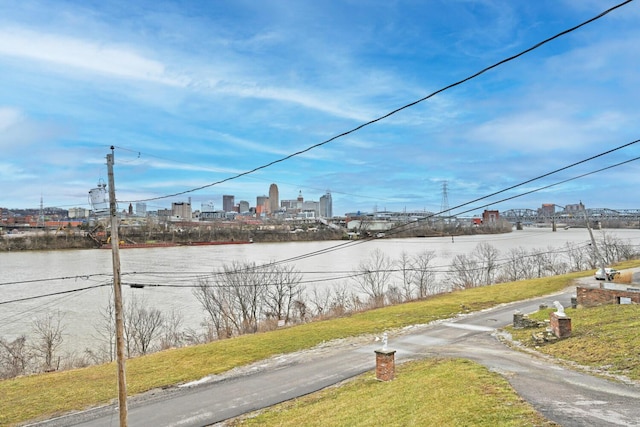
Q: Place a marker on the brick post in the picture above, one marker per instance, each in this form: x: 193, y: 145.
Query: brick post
x: 385, y: 365
x: 560, y: 325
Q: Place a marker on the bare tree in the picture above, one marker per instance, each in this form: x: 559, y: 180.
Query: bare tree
x: 556, y: 262
x: 283, y: 288
x: 545, y: 263
x: 608, y: 248
x: 300, y: 309
x: 15, y: 357
x: 373, y: 276
x: 248, y: 285
x: 513, y: 269
x: 142, y: 327
x: 465, y: 272
x: 394, y: 294
x: 48, y: 331
x: 217, y: 303
x: 577, y: 256
x: 342, y: 300
x: 614, y: 249
x: 423, y: 275
x: 235, y: 298
x: 539, y: 262
x: 405, y: 264
x: 105, y: 335
x: 172, y: 334
x: 487, y: 256
x: 320, y: 301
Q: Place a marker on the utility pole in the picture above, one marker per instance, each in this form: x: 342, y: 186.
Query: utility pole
x: 595, y: 247
x: 117, y: 295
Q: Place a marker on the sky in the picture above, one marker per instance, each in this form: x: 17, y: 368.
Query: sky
x: 191, y: 93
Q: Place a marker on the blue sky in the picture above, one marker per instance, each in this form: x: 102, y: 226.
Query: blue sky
x: 194, y: 92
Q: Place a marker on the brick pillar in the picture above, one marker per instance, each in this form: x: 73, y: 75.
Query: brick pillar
x: 385, y: 365
x: 560, y: 325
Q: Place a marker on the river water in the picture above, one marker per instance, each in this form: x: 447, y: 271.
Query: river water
x: 49, y: 272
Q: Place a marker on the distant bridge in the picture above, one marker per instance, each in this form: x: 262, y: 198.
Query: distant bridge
x: 531, y: 216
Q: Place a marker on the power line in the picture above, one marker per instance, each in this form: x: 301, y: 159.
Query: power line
x: 554, y: 184
x: 16, y: 316
x: 391, y: 113
x: 81, y: 277
x: 403, y: 227
x: 53, y: 294
x: 500, y: 262
x: 343, y: 274
x: 278, y: 182
x: 398, y: 228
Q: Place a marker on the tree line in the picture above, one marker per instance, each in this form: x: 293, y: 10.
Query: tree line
x: 243, y: 297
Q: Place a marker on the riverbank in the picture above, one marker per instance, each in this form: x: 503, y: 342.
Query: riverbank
x: 47, y: 240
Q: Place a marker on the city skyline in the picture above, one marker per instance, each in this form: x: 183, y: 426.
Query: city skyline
x: 194, y: 96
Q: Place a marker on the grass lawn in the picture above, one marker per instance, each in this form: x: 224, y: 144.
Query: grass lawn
x: 605, y: 339
x: 432, y: 392
x: 47, y: 395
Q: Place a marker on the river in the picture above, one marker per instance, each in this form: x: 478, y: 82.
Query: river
x: 48, y: 272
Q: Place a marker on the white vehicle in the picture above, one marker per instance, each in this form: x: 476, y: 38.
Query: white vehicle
x: 609, y: 274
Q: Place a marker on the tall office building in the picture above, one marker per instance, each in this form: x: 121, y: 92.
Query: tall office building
x: 243, y: 206
x: 326, y: 205
x: 228, y: 203
x: 141, y: 209
x: 274, y: 198
x: 262, y: 204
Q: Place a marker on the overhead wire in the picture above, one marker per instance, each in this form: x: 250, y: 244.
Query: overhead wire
x: 50, y: 279
x: 53, y: 294
x: 396, y: 111
x: 432, y: 269
x: 13, y: 317
x: 499, y: 262
x: 214, y: 274
x: 279, y: 182
x: 402, y: 227
x: 393, y: 112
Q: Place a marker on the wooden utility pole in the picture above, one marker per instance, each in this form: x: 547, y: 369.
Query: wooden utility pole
x: 595, y: 247
x: 117, y: 295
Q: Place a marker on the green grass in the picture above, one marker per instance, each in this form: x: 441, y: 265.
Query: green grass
x: 46, y: 395
x: 605, y: 338
x: 424, y: 393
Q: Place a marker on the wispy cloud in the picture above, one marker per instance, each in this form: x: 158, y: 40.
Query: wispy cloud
x: 99, y: 57
x: 14, y: 172
x: 206, y: 90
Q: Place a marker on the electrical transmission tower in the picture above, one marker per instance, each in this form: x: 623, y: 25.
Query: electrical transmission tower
x: 445, y: 213
x: 40, y: 223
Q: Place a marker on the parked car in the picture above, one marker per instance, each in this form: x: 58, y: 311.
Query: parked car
x: 609, y: 274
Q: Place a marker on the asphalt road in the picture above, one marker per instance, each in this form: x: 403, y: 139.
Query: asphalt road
x: 567, y: 397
